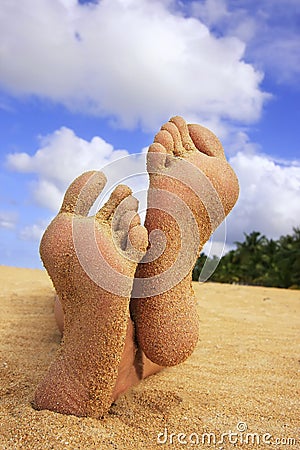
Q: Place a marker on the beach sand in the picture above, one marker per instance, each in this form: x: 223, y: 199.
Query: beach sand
x: 243, y: 376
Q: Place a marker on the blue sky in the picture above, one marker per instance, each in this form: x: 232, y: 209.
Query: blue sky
x: 85, y: 83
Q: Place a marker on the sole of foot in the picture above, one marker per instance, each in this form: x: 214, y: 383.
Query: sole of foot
x: 91, y: 261
x: 192, y: 189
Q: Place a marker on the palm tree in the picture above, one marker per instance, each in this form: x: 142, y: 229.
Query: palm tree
x: 198, y: 267
x: 259, y: 261
x: 288, y: 260
x: 249, y: 257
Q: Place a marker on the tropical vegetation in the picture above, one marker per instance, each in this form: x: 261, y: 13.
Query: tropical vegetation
x: 258, y: 261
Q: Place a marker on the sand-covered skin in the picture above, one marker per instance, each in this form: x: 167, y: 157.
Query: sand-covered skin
x: 91, y: 261
x: 245, y: 369
x: 192, y: 189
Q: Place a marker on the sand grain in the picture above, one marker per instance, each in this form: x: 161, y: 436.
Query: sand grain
x: 245, y: 369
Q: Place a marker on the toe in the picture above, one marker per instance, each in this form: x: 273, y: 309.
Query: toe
x: 82, y: 193
x: 165, y: 139
x: 124, y: 213
x: 187, y: 143
x: 205, y: 141
x: 120, y: 193
x: 129, y: 220
x: 172, y: 129
x: 124, y: 219
x: 156, y: 157
x: 137, y: 239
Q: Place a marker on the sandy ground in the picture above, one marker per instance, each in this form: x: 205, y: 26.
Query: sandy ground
x: 243, y: 377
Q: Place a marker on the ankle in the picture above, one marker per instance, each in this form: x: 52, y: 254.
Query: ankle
x: 149, y: 367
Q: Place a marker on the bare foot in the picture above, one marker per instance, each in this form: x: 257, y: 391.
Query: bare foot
x: 91, y: 261
x: 134, y: 365
x: 192, y: 189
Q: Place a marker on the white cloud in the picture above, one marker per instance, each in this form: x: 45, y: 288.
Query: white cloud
x: 269, y: 196
x: 33, y: 232
x: 210, y: 11
x: 272, y: 54
x: 270, y: 31
x: 135, y: 61
x: 269, y: 190
x: 62, y: 156
x: 8, y: 219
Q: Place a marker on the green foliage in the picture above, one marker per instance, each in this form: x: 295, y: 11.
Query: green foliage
x: 259, y: 261
x: 198, y: 267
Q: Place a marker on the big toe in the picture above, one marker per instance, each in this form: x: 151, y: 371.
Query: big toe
x: 206, y: 141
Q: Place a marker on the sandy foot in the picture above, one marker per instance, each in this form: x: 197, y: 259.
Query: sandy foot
x: 192, y: 189
x: 91, y: 261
